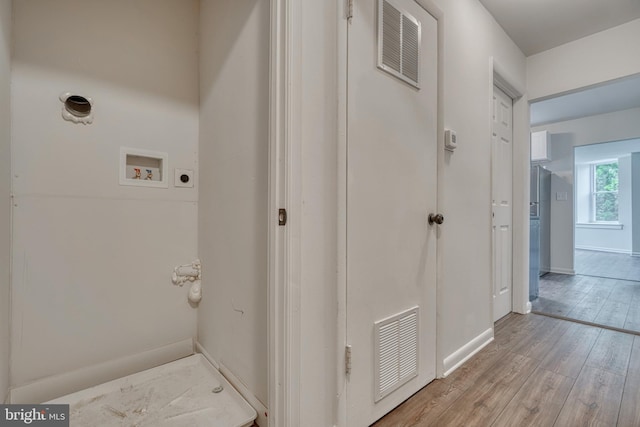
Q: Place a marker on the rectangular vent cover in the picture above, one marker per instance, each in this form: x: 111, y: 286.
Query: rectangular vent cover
x: 396, y: 352
x: 399, y: 43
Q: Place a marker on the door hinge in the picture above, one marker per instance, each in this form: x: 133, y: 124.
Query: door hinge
x: 282, y: 217
x: 347, y: 360
x: 349, y: 9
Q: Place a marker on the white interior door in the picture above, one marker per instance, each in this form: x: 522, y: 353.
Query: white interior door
x: 391, y: 189
x: 501, y: 195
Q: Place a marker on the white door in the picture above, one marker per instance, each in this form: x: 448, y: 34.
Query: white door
x: 391, y: 189
x: 502, y: 233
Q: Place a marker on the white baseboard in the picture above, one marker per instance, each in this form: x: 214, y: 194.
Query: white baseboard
x: 635, y: 253
x: 559, y: 270
x: 610, y: 250
x: 464, y: 353
x: 55, y: 386
x: 529, y: 307
x: 244, y: 391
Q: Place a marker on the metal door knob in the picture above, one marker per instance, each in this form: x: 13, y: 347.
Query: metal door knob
x: 436, y: 218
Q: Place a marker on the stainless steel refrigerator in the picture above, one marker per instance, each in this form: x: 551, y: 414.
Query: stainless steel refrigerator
x: 540, y: 227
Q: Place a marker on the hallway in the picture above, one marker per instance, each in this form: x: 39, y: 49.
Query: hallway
x: 539, y: 371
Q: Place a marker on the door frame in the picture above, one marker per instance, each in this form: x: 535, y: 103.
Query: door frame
x: 520, y: 188
x: 494, y: 166
x: 284, y: 257
x: 432, y: 8
x: 284, y: 250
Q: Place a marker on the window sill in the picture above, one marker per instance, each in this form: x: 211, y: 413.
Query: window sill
x: 601, y: 225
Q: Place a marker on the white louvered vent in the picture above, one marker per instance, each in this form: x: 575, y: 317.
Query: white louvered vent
x: 398, y: 43
x: 396, y: 352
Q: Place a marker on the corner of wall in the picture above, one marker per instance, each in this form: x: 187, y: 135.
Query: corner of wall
x: 5, y: 193
x: 466, y: 352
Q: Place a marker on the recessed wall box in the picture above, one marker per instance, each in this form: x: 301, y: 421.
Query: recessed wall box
x: 450, y: 140
x: 143, y: 168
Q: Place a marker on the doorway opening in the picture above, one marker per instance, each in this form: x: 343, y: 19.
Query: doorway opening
x: 583, y: 265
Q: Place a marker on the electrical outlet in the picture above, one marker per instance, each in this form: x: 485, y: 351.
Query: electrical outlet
x: 183, y: 178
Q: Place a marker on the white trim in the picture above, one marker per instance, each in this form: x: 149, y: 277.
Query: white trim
x: 519, y: 264
x: 609, y: 250
x: 521, y: 219
x: 529, y: 307
x: 493, y: 184
x: 635, y: 254
x: 569, y: 271
x: 284, y: 192
x: 467, y: 351
x: 500, y: 77
x: 600, y: 225
x: 341, y: 252
x: 434, y: 10
x: 505, y: 83
x: 69, y: 382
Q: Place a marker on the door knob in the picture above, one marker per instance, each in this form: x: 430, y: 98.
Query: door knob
x: 436, y: 218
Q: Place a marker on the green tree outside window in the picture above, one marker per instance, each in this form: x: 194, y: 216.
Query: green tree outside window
x: 605, y: 192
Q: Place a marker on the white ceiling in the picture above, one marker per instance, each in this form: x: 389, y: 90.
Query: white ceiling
x: 539, y: 25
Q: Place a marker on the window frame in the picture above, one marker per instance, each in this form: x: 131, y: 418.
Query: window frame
x: 594, y: 192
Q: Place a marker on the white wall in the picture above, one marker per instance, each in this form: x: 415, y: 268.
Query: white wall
x: 564, y: 136
x: 93, y: 259
x: 5, y: 191
x: 472, y: 37
x: 234, y: 143
x: 603, y: 56
x: 321, y: 347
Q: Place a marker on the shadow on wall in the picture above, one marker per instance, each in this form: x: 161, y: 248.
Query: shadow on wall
x: 229, y: 25
x: 136, y: 45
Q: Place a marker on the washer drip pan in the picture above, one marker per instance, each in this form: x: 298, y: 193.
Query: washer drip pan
x: 181, y: 393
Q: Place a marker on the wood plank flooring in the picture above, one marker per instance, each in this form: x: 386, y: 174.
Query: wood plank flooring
x: 606, y: 264
x: 608, y: 302
x: 538, y: 371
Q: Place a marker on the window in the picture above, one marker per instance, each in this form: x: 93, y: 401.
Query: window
x: 604, y: 192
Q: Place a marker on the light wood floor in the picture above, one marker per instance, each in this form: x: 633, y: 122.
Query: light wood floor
x: 539, y: 371
x: 609, y: 302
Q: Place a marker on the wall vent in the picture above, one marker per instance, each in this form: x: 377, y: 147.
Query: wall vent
x: 399, y: 35
x: 396, y: 352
